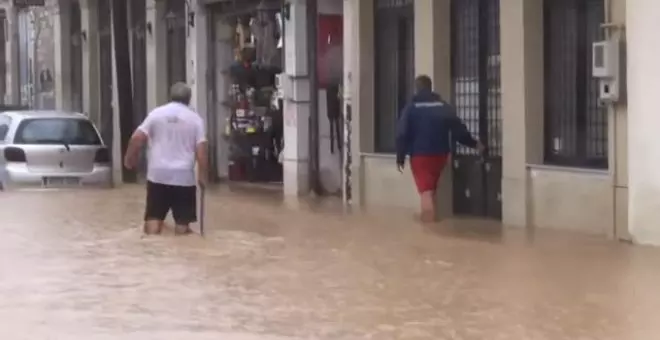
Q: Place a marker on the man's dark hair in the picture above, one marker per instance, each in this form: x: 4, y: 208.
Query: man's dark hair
x: 423, y: 83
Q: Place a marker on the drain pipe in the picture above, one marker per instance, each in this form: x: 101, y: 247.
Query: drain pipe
x: 312, y: 56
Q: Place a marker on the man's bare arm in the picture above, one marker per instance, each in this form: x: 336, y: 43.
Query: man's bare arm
x: 138, y: 140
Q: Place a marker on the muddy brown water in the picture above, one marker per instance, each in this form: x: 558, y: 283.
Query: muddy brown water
x: 74, y: 265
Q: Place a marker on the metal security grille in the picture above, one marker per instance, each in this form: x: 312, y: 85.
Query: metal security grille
x: 394, y: 66
x: 476, y: 71
x: 175, y: 21
x: 575, y: 124
x: 476, y: 95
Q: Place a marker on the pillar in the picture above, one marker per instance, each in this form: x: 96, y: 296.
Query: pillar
x: 91, y: 75
x: 643, y: 120
x: 62, y: 76
x: 13, y: 94
x: 297, y: 102
x: 358, y: 92
x: 117, y: 160
x: 618, y: 138
x: 197, y: 72
x: 522, y: 103
x: 197, y: 62
x: 433, y: 58
x: 349, y: 29
x: 157, y: 86
x: 223, y: 57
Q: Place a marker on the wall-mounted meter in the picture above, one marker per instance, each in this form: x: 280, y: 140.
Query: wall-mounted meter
x: 606, y: 67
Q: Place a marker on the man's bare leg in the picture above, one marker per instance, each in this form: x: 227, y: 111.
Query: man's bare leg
x: 153, y: 227
x: 182, y: 229
x: 428, y: 207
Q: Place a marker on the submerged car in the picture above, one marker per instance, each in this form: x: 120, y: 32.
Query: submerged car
x: 50, y: 149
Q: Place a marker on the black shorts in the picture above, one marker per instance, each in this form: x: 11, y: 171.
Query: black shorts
x: 161, y: 198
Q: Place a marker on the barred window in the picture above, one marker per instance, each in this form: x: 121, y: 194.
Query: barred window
x: 575, y: 123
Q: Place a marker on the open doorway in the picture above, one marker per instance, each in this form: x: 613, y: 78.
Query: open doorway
x: 245, y: 116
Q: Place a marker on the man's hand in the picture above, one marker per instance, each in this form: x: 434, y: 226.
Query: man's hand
x: 129, y: 162
x: 202, y: 178
x: 138, y: 139
x: 480, y: 147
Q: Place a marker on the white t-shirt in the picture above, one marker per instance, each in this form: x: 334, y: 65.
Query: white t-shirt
x: 174, y: 131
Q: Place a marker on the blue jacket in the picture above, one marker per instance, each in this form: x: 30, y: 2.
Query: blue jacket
x: 429, y: 126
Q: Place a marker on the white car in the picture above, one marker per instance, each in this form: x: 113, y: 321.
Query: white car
x: 50, y: 149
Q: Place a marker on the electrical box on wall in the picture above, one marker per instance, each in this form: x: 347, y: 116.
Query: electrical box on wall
x: 606, y: 67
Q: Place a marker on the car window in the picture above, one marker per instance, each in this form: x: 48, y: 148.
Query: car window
x: 57, y: 131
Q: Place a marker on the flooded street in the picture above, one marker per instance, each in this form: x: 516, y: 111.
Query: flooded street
x: 74, y: 265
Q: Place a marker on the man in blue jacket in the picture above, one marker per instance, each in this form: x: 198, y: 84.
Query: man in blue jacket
x: 427, y: 131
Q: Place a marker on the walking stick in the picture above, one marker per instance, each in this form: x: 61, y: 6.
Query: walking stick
x: 202, y: 201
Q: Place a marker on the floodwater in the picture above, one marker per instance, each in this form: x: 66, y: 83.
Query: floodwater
x: 74, y: 265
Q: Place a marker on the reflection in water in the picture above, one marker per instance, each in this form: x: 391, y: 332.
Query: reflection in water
x: 74, y: 265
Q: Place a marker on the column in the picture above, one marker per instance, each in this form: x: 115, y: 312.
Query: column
x: 618, y: 147
x: 197, y: 72
x: 223, y: 57
x: 62, y: 76
x: 358, y: 92
x: 350, y: 46
x: 522, y: 103
x: 90, y: 59
x: 297, y: 102
x: 433, y: 27
x: 13, y: 95
x: 117, y: 160
x: 643, y: 120
x: 157, y: 86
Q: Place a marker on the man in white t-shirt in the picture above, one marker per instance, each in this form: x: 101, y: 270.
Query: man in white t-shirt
x: 176, y: 140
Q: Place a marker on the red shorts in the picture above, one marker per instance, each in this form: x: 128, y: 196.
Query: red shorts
x: 427, y: 170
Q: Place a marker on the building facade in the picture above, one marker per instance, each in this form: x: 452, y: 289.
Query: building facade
x: 518, y: 71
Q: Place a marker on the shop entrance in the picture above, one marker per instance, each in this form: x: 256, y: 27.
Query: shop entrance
x: 477, y: 97
x: 245, y: 117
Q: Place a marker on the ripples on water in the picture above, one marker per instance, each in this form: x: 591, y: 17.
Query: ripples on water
x: 75, y: 265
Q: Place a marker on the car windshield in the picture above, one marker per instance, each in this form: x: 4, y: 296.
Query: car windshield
x: 66, y: 131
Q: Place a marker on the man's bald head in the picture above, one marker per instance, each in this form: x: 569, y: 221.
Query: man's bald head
x: 180, y: 93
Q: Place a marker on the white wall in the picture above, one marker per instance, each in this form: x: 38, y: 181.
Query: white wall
x: 643, y: 120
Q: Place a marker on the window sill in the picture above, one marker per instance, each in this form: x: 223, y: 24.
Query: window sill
x: 578, y: 170
x: 382, y: 155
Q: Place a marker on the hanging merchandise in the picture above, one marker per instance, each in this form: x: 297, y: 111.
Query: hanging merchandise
x: 253, y: 127
x: 334, y: 116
